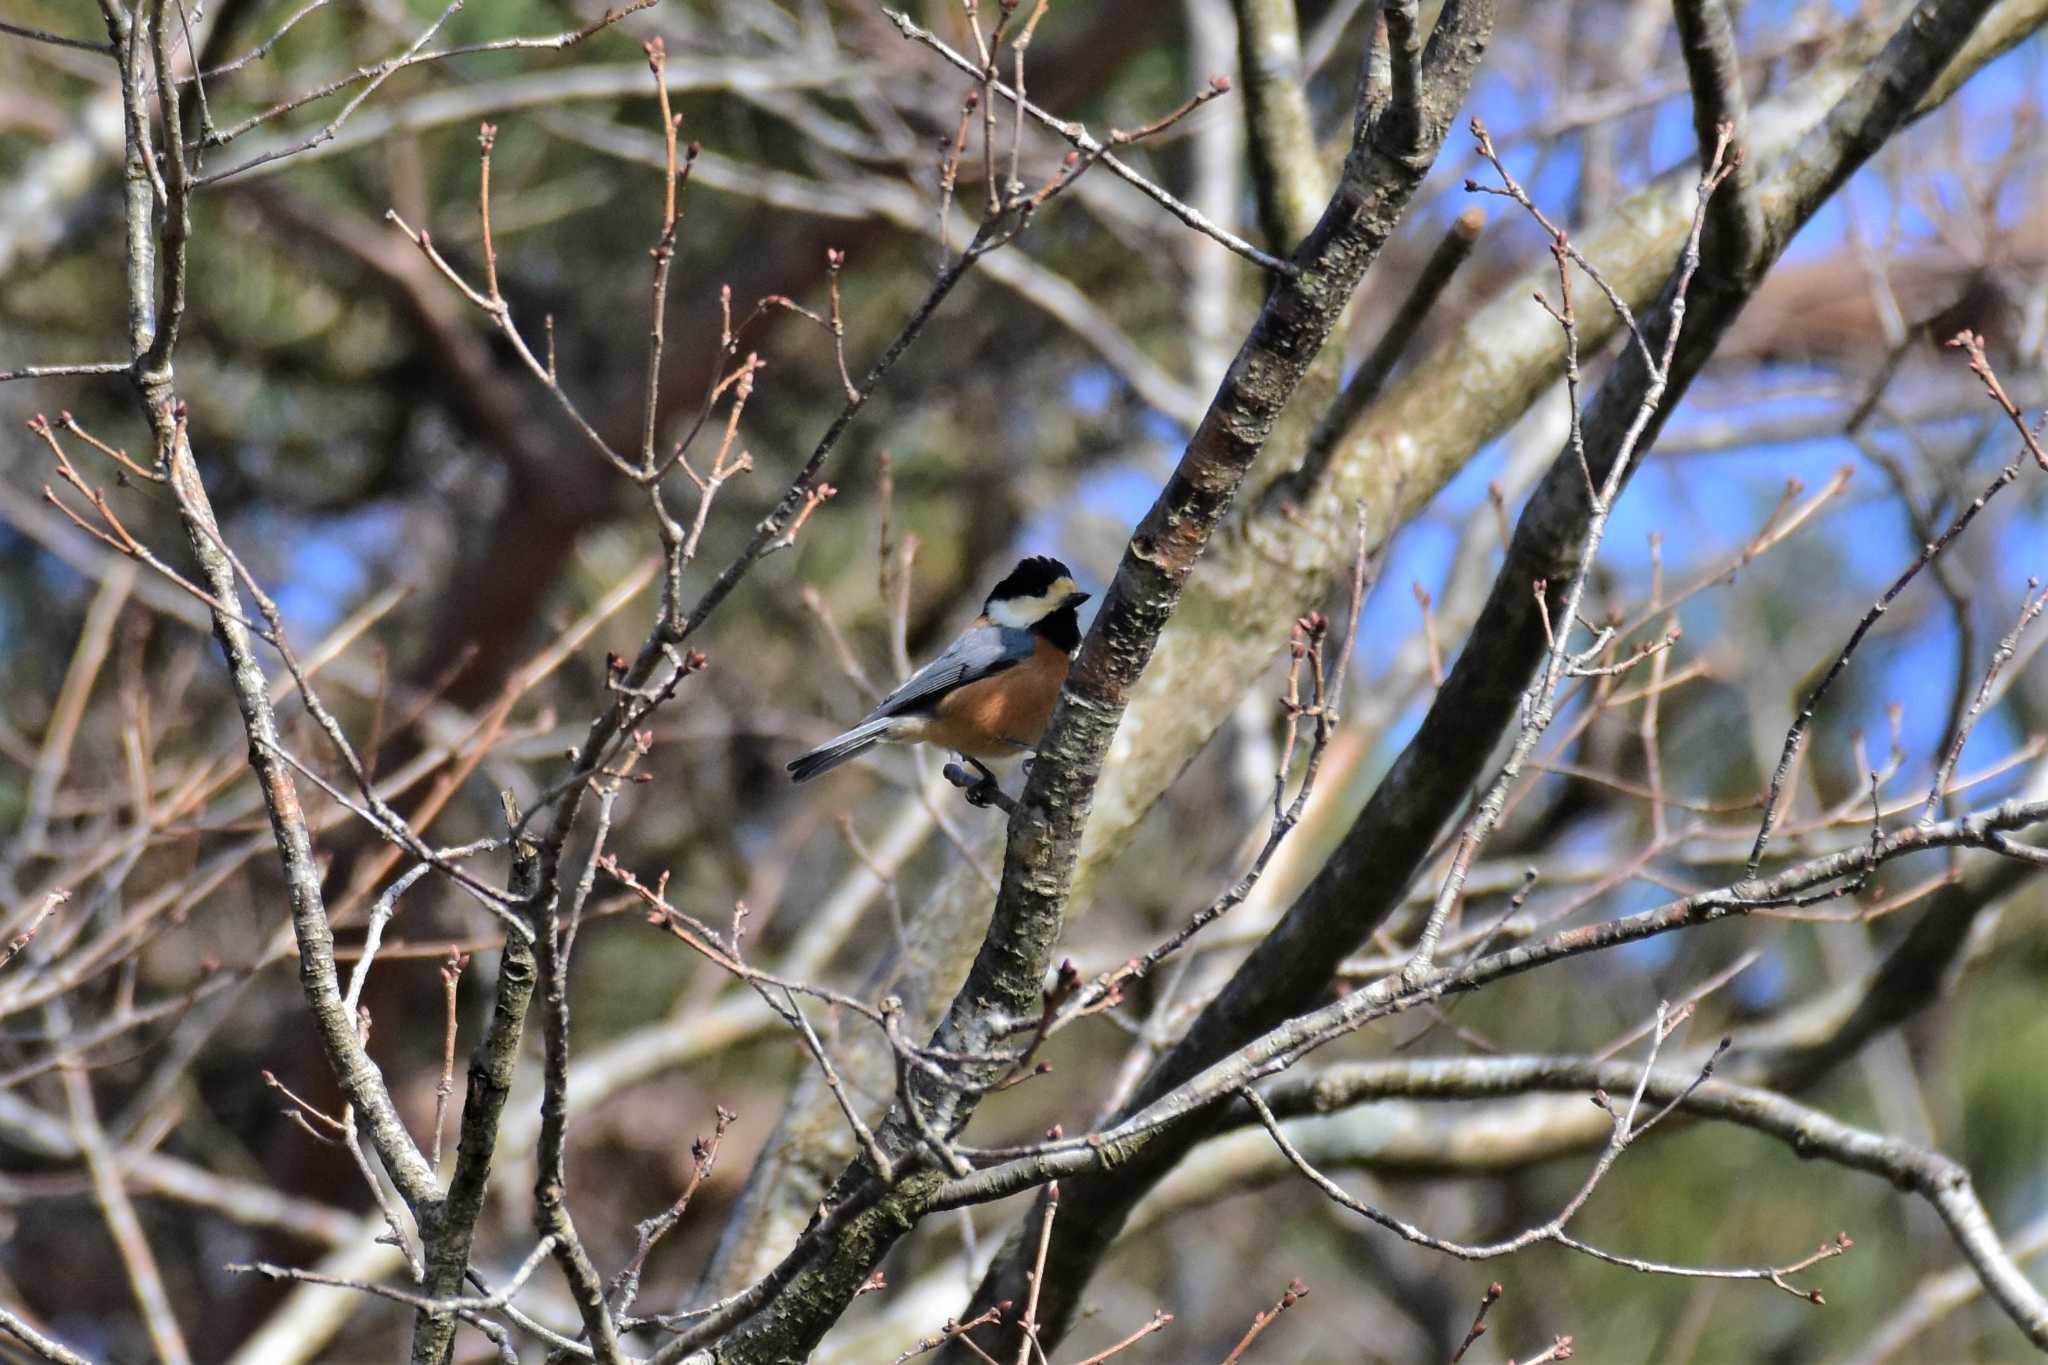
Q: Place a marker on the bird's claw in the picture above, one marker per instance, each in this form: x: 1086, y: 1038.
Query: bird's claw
x: 981, y: 789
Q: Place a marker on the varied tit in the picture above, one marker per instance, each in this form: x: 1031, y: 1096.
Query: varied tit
x: 991, y: 692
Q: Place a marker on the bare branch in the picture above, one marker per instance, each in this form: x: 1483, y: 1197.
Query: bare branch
x: 111, y: 1194
x: 373, y: 77
x: 1944, y: 773
x: 55, y: 371
x: 1720, y: 112
x: 455, y: 1304
x: 1400, y: 123
x: 37, y: 35
x: 1286, y: 166
x: 47, y: 1348
x: 1296, y: 1292
x: 1093, y: 149
x: 1795, y: 736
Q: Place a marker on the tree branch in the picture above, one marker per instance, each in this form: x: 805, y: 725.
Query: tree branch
x: 1287, y: 173
x: 450, y: 1232
x: 1707, y: 38
x: 1003, y: 984
x: 1276, y: 562
x: 151, y: 334
x: 1383, y: 852
x: 1938, y: 1179
x: 1091, y: 147
x: 48, y: 1348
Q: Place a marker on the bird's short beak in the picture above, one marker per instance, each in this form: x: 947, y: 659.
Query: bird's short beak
x: 1075, y: 599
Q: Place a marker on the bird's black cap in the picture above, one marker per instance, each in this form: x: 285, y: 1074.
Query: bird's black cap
x: 1032, y: 577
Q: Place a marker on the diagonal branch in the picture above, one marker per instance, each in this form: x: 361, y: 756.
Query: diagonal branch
x: 1460, y: 395
x: 1707, y: 38
x: 1127, y: 1147
x: 48, y: 1348
x: 151, y: 335
x: 490, y: 1084
x: 1286, y: 170
x: 1092, y: 148
x: 1003, y: 984
x: 1938, y: 1179
x: 103, y: 1165
x: 1044, y: 840
x: 1368, y: 874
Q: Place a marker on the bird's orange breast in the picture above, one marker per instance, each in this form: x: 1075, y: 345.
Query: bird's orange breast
x: 995, y: 717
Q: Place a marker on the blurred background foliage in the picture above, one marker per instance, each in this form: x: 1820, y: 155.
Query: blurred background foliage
x: 366, y: 430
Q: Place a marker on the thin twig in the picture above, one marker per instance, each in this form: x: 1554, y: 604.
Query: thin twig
x: 1295, y: 1293
x: 376, y: 75
x: 57, y: 371
x: 37, y: 35
x: 1478, y: 1327
x: 1078, y: 135
x: 2030, y: 607
x: 1972, y: 346
x: 951, y: 1331
x: 49, y: 1348
x: 1795, y: 735
x: 377, y: 79
x: 451, y: 983
x: 1160, y: 1321
x: 1027, y: 1326
x: 460, y: 1304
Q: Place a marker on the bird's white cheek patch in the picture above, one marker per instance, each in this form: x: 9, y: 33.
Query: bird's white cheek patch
x: 1021, y: 613
x: 1018, y: 612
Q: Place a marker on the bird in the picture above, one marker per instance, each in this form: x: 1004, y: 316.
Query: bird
x: 991, y: 692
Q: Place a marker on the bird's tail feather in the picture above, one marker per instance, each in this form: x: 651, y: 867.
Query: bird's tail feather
x: 826, y: 757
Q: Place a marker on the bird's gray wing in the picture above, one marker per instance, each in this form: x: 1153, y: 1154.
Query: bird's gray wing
x: 981, y: 652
